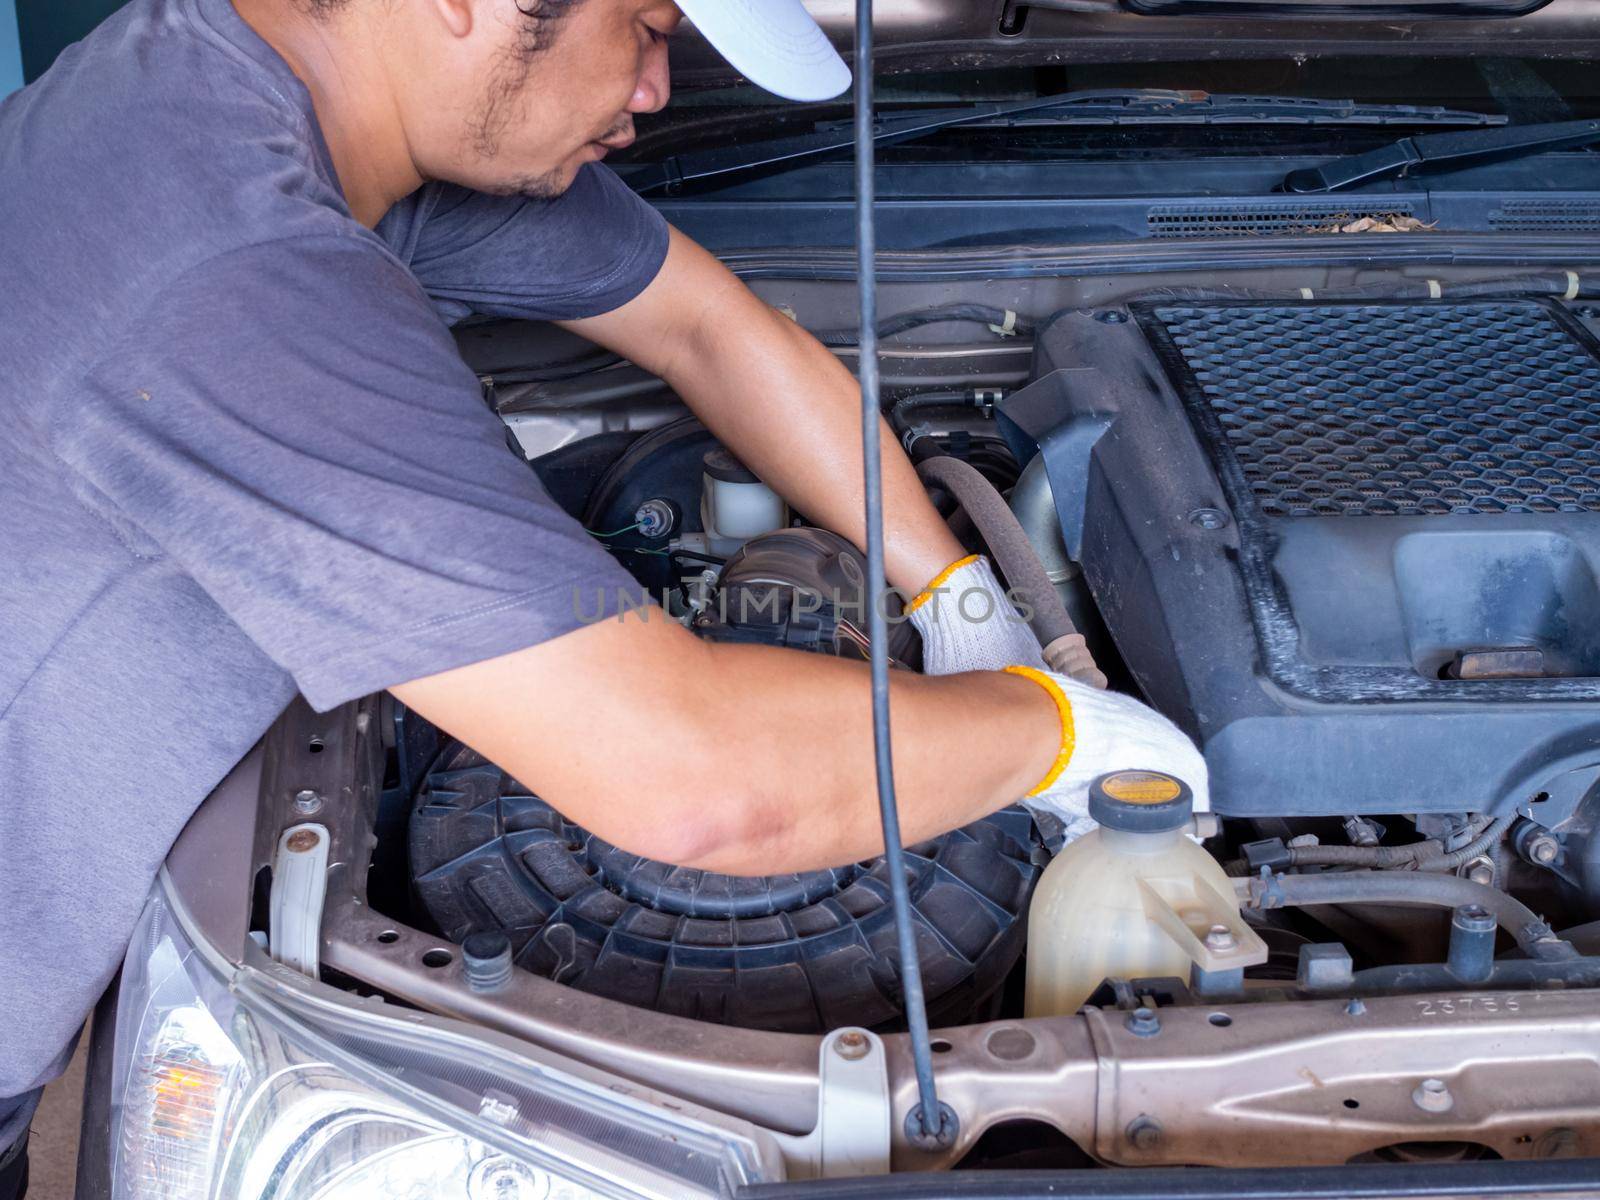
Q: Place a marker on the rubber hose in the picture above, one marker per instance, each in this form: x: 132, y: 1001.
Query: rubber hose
x: 1377, y: 857
x: 1064, y: 647
x: 1409, y: 888
x: 977, y: 314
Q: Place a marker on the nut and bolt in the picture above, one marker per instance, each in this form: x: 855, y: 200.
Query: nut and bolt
x: 655, y: 518
x: 1543, y: 849
x: 302, y: 841
x: 851, y: 1044
x: 1144, y: 1133
x: 307, y: 802
x: 1431, y: 1095
x: 1143, y: 1022
x: 1209, y: 518
x: 1480, y: 870
x: 1220, y: 937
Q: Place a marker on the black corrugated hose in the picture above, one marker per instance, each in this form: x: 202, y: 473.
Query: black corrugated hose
x: 930, y: 1125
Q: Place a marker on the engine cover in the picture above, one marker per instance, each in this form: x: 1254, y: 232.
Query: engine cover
x: 1350, y: 547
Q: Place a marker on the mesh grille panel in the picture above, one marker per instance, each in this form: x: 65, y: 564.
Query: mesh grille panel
x: 1556, y: 216
x: 1400, y: 409
x: 1259, y: 217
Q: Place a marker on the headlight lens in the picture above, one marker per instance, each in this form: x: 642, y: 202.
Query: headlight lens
x: 234, y: 1092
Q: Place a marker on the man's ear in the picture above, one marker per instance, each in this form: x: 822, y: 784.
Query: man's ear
x: 457, y: 15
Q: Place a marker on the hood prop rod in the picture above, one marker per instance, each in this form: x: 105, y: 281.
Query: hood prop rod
x: 930, y: 1125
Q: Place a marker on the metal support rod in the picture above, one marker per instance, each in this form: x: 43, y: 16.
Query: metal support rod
x: 930, y: 1124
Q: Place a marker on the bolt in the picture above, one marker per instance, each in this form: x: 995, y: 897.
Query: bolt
x: 1220, y: 937
x: 302, y: 840
x: 307, y: 802
x: 1143, y: 1022
x: 851, y: 1044
x: 1356, y: 1008
x: 1144, y: 1133
x: 1480, y: 870
x: 1209, y: 518
x: 1111, y: 316
x: 486, y: 959
x: 1431, y: 1095
x: 655, y: 518
x: 1543, y: 849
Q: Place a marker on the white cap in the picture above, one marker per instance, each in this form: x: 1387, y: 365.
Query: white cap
x: 773, y: 43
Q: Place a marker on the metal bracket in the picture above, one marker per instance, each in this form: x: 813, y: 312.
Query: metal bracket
x: 854, y: 1113
x: 299, y: 888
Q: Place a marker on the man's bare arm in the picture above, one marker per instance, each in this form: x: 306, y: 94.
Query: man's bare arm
x: 741, y: 759
x: 778, y: 399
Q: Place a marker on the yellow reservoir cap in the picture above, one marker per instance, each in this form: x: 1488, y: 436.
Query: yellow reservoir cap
x: 1141, y: 787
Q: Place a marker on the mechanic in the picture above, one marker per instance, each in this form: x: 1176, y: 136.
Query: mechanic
x: 244, y: 459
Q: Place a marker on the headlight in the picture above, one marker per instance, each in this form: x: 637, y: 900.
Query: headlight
x: 228, y: 1090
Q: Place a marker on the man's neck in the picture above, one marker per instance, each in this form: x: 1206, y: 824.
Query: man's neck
x: 349, y: 88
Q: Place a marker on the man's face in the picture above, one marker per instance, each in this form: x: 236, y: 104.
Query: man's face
x: 536, y: 99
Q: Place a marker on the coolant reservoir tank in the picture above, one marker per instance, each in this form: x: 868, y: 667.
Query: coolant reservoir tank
x: 1135, y: 898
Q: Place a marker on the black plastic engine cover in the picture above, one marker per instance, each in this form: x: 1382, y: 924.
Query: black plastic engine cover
x: 1308, y: 526
x: 797, y: 953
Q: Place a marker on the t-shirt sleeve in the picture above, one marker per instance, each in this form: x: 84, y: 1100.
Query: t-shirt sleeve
x: 291, y: 424
x: 586, y: 252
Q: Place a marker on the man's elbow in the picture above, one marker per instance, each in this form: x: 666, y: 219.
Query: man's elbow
x: 725, y: 832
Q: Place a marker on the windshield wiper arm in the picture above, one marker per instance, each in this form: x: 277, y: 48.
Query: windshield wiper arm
x: 1436, y: 151
x: 1102, y: 107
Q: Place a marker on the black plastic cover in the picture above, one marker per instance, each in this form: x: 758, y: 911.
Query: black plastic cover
x: 1300, y: 519
x: 797, y: 953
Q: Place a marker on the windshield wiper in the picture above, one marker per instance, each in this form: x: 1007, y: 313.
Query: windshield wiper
x: 1132, y: 106
x: 1442, y: 151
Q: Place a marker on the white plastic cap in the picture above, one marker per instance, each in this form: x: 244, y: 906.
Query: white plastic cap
x: 773, y: 43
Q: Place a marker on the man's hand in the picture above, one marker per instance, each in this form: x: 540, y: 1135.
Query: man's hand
x: 1103, y: 732
x: 968, y: 623
x: 778, y: 399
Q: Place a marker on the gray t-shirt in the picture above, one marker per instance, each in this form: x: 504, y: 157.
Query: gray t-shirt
x: 241, y: 458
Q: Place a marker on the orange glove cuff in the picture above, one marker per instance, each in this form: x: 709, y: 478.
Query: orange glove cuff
x: 1069, y: 737
x: 938, y: 582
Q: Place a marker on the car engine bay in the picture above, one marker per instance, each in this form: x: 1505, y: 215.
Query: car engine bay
x: 1341, y: 525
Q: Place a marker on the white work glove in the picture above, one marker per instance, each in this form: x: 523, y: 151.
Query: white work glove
x: 968, y: 623
x: 1103, y: 732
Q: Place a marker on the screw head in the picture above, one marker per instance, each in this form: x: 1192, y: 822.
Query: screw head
x: 302, y: 840
x: 851, y: 1044
x: 307, y: 801
x: 1143, y: 1022
x: 1209, y: 518
x: 1144, y: 1133
x: 1220, y: 937
x: 655, y: 518
x: 1431, y: 1095
x: 1111, y: 316
x: 1356, y: 1008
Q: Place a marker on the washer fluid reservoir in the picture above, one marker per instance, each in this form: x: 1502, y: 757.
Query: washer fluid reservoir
x: 1136, y: 898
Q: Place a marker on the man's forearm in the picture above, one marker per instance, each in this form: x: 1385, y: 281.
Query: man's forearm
x: 779, y: 400
x: 792, y: 412
x: 741, y: 759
